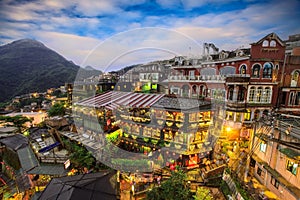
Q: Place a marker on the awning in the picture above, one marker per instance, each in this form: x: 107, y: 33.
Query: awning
x: 290, y: 153
x: 48, y: 148
x: 114, y: 99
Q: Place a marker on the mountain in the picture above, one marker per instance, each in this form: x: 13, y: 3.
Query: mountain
x: 28, y: 66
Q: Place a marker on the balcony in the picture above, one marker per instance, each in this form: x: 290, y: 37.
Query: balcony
x: 238, y: 78
x: 235, y: 104
x: 201, y: 78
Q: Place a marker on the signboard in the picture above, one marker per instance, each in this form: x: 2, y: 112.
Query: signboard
x: 67, y: 164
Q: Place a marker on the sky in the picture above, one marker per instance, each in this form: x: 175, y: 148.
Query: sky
x: 111, y: 34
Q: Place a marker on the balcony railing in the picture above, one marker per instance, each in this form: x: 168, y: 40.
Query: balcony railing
x: 200, y: 78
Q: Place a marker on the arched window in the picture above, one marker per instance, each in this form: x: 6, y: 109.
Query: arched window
x: 267, y: 73
x: 295, y: 77
x: 291, y: 98
x: 265, y: 43
x: 251, y: 94
x: 273, y: 43
x: 243, y: 69
x: 194, y: 89
x: 267, y: 95
x: 255, y: 71
x: 259, y: 94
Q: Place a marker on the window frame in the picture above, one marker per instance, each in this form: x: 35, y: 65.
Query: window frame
x: 290, y: 166
x: 256, y: 70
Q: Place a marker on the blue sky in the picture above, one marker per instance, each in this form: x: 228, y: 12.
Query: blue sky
x: 111, y: 33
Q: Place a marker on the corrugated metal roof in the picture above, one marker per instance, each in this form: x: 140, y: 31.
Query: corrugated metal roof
x: 113, y: 99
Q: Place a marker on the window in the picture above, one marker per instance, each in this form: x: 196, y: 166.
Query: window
x: 238, y: 117
x: 291, y: 98
x: 295, y: 77
x: 243, y: 69
x: 230, y: 94
x: 241, y: 94
x: 260, y: 173
x: 265, y: 43
x: 175, y: 90
x: 227, y: 70
x: 263, y: 146
x: 292, y: 167
x: 267, y: 95
x: 297, y: 99
x: 274, y: 182
x: 247, y: 115
x: 273, y: 43
x: 255, y: 71
x: 192, y: 75
x: 194, y: 89
x: 256, y: 114
x: 251, y: 94
x: 259, y: 94
x: 267, y: 72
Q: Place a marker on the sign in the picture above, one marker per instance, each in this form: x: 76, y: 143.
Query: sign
x: 67, y: 164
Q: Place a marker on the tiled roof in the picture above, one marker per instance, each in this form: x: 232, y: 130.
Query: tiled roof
x: 15, y: 142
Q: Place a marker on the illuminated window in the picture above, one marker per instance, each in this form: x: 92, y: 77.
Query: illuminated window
x: 292, y: 167
x: 243, y: 69
x: 263, y: 146
x: 247, y: 115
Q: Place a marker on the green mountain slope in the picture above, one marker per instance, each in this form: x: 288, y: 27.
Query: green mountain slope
x: 27, y: 66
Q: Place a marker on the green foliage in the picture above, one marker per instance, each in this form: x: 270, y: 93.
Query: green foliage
x: 80, y: 157
x: 225, y: 189
x: 203, y: 194
x: 172, y: 189
x: 3, y: 105
x: 57, y: 109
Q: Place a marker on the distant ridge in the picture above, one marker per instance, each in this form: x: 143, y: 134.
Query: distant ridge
x: 27, y: 65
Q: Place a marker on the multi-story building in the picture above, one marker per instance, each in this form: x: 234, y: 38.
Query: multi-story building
x: 148, y: 77
x: 150, y: 122
x: 245, y: 80
x: 276, y: 156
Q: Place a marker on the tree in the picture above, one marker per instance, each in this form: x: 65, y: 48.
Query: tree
x: 203, y: 194
x: 80, y: 157
x: 173, y: 188
x: 58, y: 109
